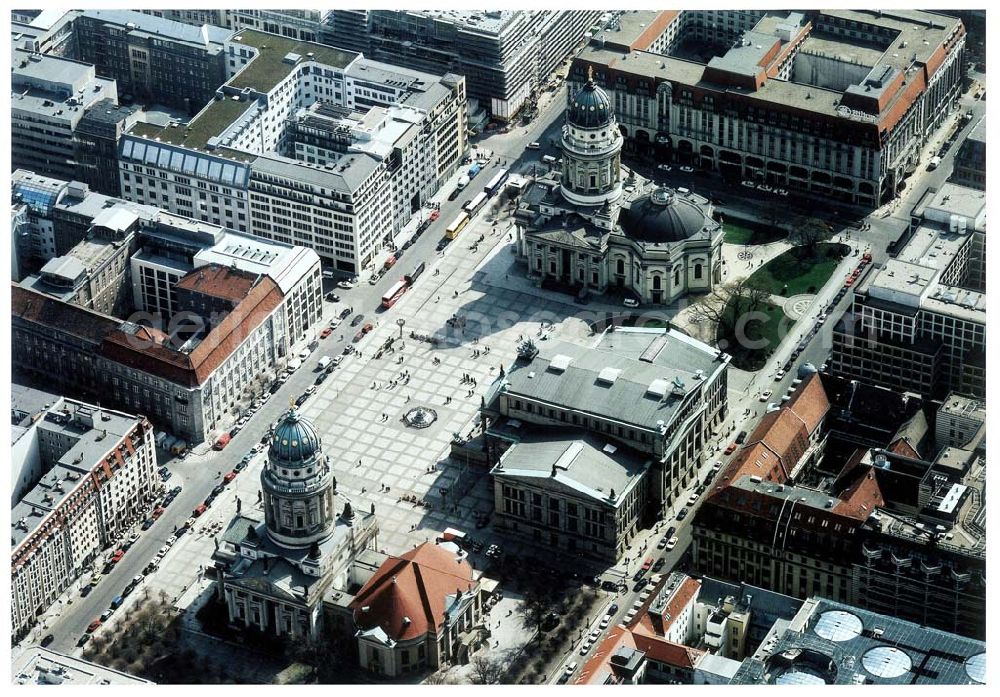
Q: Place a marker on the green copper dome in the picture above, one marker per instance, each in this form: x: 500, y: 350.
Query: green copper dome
x: 295, y: 440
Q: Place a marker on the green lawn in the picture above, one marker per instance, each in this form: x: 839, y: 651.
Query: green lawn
x: 801, y: 270
x: 739, y: 231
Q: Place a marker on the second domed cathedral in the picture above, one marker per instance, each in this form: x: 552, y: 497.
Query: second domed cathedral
x: 595, y: 224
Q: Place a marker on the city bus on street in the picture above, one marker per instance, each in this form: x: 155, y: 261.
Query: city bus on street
x: 457, y: 225
x: 476, y: 203
x: 497, y: 182
x: 394, y: 293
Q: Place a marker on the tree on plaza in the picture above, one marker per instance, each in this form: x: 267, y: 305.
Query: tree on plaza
x: 487, y: 670
x: 537, y: 603
x: 807, y: 235
x: 725, y: 305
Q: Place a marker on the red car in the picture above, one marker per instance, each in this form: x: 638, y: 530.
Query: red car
x: 435, y: 214
x: 94, y: 625
x: 325, y: 333
x: 647, y: 565
x: 731, y: 449
x: 117, y: 556
x: 849, y: 282
x: 199, y: 510
x: 867, y: 256
x: 158, y: 512
x: 229, y: 477
x: 222, y: 442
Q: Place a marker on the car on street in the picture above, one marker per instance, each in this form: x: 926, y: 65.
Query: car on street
x: 748, y: 183
x: 631, y: 302
x: 662, y: 543
x: 764, y: 395
x: 563, y: 679
x: 201, y: 508
x: 325, y: 333
x: 664, y: 167
x: 85, y: 591
x: 585, y: 647
x: 670, y: 531
x: 115, y: 604
x: 606, y: 621
x: 730, y: 449
x: 345, y: 285
x: 609, y: 586
x: 106, y: 615
x: 218, y: 490
x: 358, y: 319
x: 83, y: 640
x: 741, y: 437
x: 687, y: 169
x: 647, y: 564
x: 229, y: 476
x: 671, y: 543
x: 570, y: 668
x: 682, y: 514
x: 779, y: 375
x: 693, y: 499
x: 239, y: 466
x: 533, y: 145
x: 659, y: 563
x: 49, y: 638
x: 92, y: 627
x: 117, y: 556
x: 148, y: 523
x: 374, y: 278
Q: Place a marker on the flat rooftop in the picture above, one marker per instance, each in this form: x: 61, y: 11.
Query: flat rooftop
x: 208, y: 123
x: 269, y: 67
x: 834, y: 643
x: 38, y: 666
x: 485, y: 21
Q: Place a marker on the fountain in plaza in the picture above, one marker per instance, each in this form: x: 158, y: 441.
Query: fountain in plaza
x: 420, y: 417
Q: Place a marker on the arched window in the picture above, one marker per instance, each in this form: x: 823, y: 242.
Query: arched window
x: 620, y: 266
x: 677, y: 276
x: 656, y: 283
x: 697, y: 271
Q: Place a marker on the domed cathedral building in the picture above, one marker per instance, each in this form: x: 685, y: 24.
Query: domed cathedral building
x: 597, y: 225
x: 280, y: 556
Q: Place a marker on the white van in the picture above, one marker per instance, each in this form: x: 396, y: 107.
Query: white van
x: 535, y: 145
x: 548, y: 159
x: 294, y: 365
x: 324, y: 362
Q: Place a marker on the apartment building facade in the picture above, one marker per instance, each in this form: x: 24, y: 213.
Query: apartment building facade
x: 154, y: 59
x: 98, y: 471
x: 50, y: 97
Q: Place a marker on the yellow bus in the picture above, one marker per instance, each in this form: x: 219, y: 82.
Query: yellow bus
x: 457, y: 226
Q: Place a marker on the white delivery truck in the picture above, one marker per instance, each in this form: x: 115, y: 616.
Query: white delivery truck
x: 324, y: 362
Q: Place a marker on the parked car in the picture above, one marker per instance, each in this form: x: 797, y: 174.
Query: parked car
x: 631, y: 302
x: 682, y: 514
x: 358, y: 319
x: 730, y: 449
x: 346, y: 312
x: 49, y: 638
x: 346, y: 285
x: 764, y: 395
x: 779, y: 375
x: 92, y: 627
x: 664, y: 167
x: 201, y: 508
x: 148, y: 523
x: 741, y: 437
x: 687, y: 169
x: 671, y: 543
x: 325, y: 333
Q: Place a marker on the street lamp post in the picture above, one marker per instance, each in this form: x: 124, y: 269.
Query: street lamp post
x: 400, y: 322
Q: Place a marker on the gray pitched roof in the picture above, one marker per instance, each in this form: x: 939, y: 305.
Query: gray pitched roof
x: 628, y: 398
x: 577, y: 460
